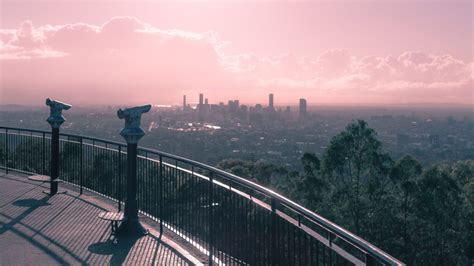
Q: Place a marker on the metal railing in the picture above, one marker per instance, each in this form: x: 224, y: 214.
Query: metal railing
x: 230, y: 219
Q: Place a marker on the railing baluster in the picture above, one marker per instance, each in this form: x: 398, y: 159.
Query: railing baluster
x: 369, y: 260
x: 330, y: 237
x: 81, y: 166
x: 119, y: 181
x: 273, y: 229
x: 6, y: 150
x: 175, y: 196
x: 211, y: 217
x: 161, y: 195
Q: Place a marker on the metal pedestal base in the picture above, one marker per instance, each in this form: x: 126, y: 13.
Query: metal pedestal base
x: 47, y: 192
x: 40, y: 178
x: 131, y: 228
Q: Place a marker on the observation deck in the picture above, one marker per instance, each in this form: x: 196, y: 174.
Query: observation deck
x: 196, y: 214
x: 64, y: 229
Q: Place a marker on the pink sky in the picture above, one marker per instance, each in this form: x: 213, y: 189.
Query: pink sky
x: 330, y: 52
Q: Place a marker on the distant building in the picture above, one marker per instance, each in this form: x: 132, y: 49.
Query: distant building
x: 184, y: 102
x: 303, y: 108
x: 435, y: 141
x: 451, y: 139
x: 206, y: 101
x: 402, y: 140
x: 270, y: 101
x: 244, y: 112
x: 201, y: 107
x: 201, y: 99
x: 233, y: 106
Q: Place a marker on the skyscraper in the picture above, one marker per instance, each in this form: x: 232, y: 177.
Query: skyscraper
x: 184, y: 102
x: 270, y: 100
x: 303, y: 107
x: 201, y: 99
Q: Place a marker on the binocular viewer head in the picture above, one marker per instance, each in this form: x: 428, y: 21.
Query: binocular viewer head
x: 133, y: 112
x: 57, y: 104
x: 56, y: 117
x: 132, y: 131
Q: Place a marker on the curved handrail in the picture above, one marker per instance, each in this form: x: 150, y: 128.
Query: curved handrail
x: 323, y: 222
x: 330, y: 226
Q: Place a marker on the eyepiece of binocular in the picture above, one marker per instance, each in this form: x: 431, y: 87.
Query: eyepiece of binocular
x: 122, y: 113
x: 51, y: 102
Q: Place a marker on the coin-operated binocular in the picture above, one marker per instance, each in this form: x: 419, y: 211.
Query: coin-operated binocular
x: 132, y: 131
x: 56, y: 117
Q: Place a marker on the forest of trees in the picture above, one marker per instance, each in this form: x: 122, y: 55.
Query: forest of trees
x: 421, y: 216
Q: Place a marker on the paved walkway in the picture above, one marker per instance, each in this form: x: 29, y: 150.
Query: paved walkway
x: 65, y: 229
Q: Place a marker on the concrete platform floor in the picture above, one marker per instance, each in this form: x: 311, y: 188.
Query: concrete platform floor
x: 36, y: 229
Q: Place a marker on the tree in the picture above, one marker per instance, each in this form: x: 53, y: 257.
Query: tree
x: 355, y: 165
x: 423, y: 217
x: 104, y: 173
x: 463, y: 173
x: 26, y: 155
x: 309, y: 187
x: 70, y: 158
x: 404, y: 175
x: 438, y: 212
x: 260, y: 171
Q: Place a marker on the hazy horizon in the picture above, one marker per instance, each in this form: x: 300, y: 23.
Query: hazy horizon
x: 349, y: 53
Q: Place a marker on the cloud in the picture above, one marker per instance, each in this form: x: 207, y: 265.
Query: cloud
x: 128, y: 60
x: 122, y: 60
x: 426, y: 77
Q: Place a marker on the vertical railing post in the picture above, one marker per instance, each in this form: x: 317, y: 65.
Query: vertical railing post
x: 369, y: 260
x: 132, y: 133
x: 55, y: 119
x: 81, y: 166
x: 43, y: 148
x: 6, y: 150
x: 273, y: 228
x: 119, y: 182
x: 330, y: 238
x: 211, y: 216
x: 162, y: 191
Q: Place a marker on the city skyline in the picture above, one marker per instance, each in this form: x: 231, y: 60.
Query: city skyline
x: 338, y: 53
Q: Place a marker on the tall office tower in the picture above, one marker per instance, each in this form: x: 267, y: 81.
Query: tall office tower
x: 270, y: 100
x: 184, y: 102
x: 303, y: 110
x: 201, y: 99
x: 236, y: 103
x: 206, y: 102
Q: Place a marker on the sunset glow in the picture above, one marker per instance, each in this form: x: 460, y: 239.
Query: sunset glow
x: 342, y: 52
